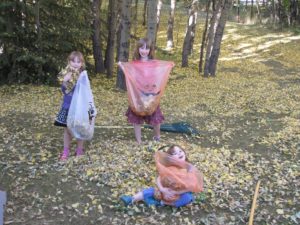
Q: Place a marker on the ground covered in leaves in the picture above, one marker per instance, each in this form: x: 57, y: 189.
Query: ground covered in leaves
x: 249, y: 123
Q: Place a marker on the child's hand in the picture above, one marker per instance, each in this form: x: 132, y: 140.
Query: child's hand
x: 67, y: 77
x: 169, y: 194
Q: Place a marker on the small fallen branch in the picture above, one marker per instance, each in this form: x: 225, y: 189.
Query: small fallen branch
x: 254, y: 203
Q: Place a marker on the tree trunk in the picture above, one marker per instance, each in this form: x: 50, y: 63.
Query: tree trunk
x: 125, y: 41
x: 211, y: 35
x: 204, y: 37
x: 97, y: 48
x: 170, y: 43
x: 238, y: 11
x: 39, y: 34
x: 152, y: 20
x: 293, y: 11
x: 119, y: 9
x: 145, y: 12
x: 218, y: 38
x: 159, y: 5
x: 135, y: 18
x: 251, y: 11
x: 190, y: 34
x: 109, y: 53
x: 258, y: 11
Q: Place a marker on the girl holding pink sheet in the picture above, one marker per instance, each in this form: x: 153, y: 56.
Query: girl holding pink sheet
x: 146, y: 80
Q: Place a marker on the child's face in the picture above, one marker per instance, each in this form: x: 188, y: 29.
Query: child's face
x: 144, y: 51
x: 178, y: 153
x: 75, y: 63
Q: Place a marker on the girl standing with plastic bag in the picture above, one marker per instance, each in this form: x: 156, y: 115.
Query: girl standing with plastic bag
x: 77, y: 113
x: 146, y: 79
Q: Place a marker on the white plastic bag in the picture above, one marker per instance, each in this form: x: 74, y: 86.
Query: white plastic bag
x: 82, y: 112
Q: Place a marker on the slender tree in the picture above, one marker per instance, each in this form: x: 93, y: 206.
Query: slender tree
x: 124, y: 41
x: 170, y: 43
x: 97, y: 48
x: 211, y: 34
x: 258, y: 11
x: 135, y: 16
x: 152, y: 20
x: 145, y: 12
x: 111, y: 38
x: 190, y: 33
x: 159, y: 5
x: 215, y: 52
x: 204, y: 36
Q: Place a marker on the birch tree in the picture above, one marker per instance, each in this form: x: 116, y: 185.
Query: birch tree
x: 124, y: 41
x: 145, y: 12
x: 152, y: 20
x: 170, y: 42
x: 190, y: 33
x: 204, y: 36
x: 220, y: 22
x: 159, y: 5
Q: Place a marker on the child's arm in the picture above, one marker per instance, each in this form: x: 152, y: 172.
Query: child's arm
x: 67, y: 77
x: 64, y: 81
x: 167, y: 192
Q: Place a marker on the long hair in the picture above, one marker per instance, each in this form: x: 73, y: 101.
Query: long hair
x: 141, y: 43
x: 79, y: 55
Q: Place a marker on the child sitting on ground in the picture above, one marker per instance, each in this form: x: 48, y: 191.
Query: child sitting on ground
x: 176, y: 181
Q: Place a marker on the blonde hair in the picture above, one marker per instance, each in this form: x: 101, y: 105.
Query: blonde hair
x: 140, y: 43
x: 79, y: 55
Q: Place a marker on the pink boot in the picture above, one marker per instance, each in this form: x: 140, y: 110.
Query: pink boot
x: 65, y: 154
x: 79, y: 151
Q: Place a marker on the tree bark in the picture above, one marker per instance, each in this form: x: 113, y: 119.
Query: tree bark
x: 39, y: 34
x: 97, y: 48
x: 211, y: 35
x: 109, y: 53
x: 251, y: 11
x: 152, y: 20
x: 159, y: 5
x: 145, y: 12
x: 204, y: 37
x: 218, y: 38
x: 190, y: 34
x: 170, y: 43
x: 125, y: 41
x: 119, y: 9
x: 258, y: 11
x: 135, y: 17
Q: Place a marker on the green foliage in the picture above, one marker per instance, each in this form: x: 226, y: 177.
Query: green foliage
x: 37, y: 36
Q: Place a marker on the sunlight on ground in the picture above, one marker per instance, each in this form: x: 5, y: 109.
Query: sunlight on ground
x: 263, y: 43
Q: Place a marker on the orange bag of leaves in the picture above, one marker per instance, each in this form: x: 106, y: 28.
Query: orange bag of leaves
x: 177, y: 175
x: 146, y: 82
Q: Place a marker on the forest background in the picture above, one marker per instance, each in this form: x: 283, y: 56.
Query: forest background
x: 243, y: 98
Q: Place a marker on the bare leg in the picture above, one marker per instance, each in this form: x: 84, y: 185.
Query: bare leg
x: 138, y: 133
x: 67, y: 142
x: 79, y: 148
x: 80, y: 144
x: 138, y: 197
x: 67, y: 138
x: 156, y: 130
